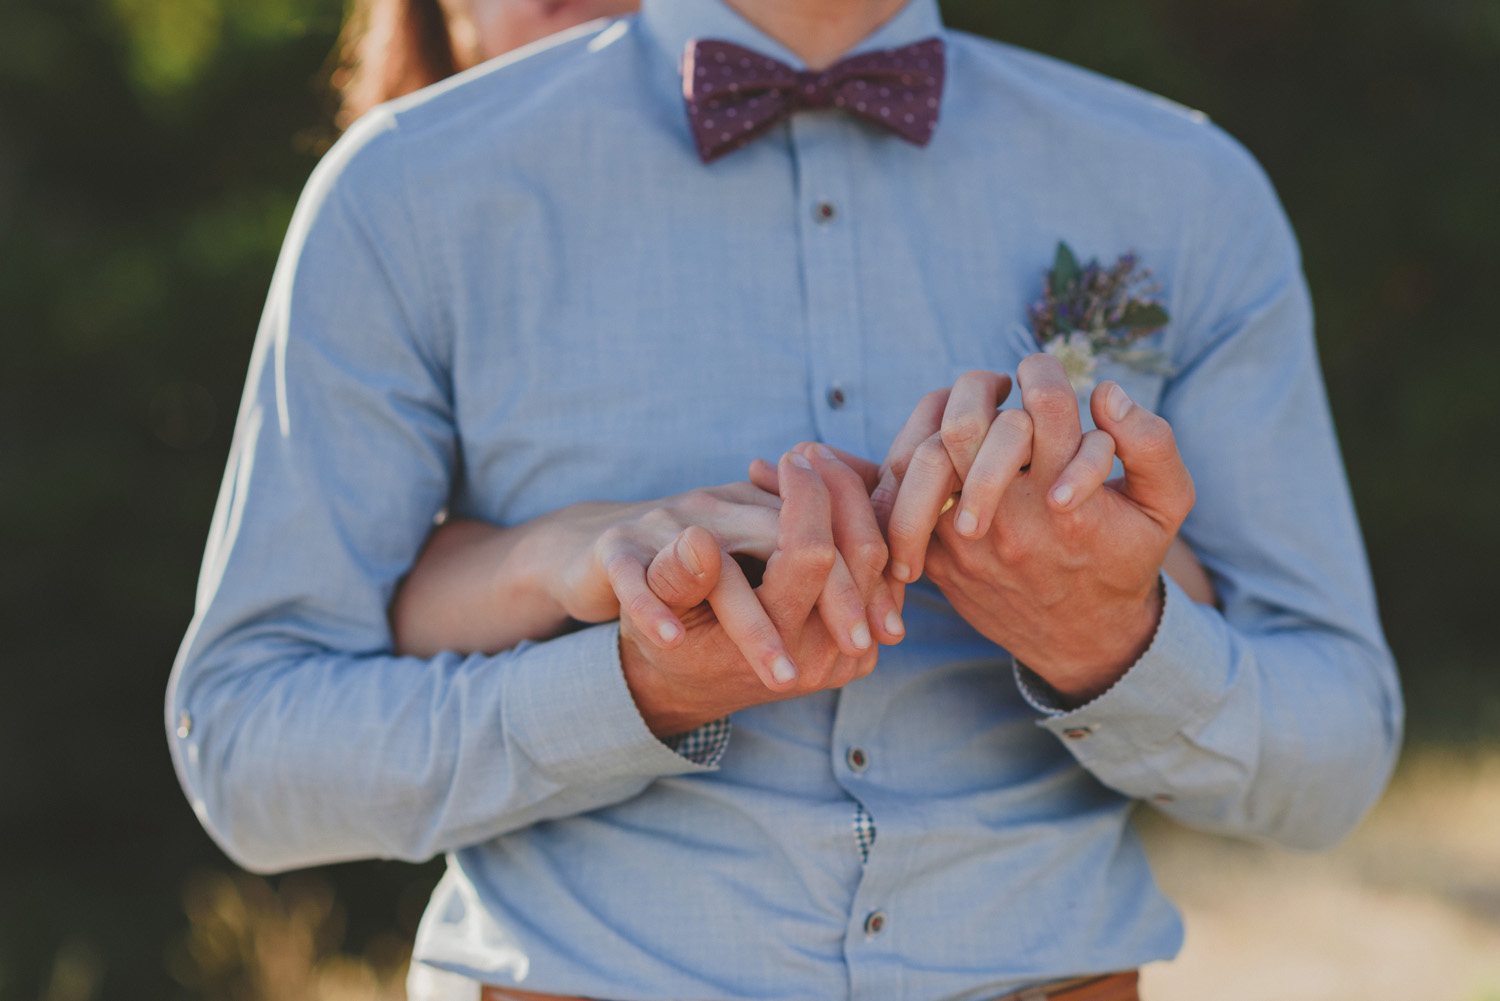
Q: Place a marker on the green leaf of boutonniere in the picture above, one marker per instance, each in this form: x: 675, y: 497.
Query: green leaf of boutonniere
x: 1143, y: 314
x: 1065, y: 270
x: 1094, y: 314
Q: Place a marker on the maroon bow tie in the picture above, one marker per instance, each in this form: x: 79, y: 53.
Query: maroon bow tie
x: 735, y: 94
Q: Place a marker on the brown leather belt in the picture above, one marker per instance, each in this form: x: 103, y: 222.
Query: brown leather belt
x: 1115, y: 987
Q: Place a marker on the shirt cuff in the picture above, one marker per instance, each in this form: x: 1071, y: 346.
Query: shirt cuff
x: 571, y: 710
x: 1174, y: 686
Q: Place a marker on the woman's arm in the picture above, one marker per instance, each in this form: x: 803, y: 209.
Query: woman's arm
x: 481, y: 588
x: 467, y: 572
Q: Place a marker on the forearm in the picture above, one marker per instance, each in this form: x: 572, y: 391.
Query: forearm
x: 475, y: 588
x: 297, y: 757
x: 1286, y: 734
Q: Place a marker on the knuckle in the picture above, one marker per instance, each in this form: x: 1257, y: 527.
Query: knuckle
x: 1051, y: 400
x: 1185, y: 502
x: 872, y: 555
x: 699, y: 505
x: 816, y: 557
x: 761, y: 635
x: 961, y: 432
x: 1012, y: 547
x: 660, y: 520
x: 619, y: 564
x: 1015, y: 422
x: 1157, y: 443
x: 931, y: 457
x: 904, y: 532
x: 641, y: 605
x: 610, y: 541
x: 967, y: 561
x: 983, y: 482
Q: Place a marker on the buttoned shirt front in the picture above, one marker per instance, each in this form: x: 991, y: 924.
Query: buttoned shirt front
x: 522, y: 289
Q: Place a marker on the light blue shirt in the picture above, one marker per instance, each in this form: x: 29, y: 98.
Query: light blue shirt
x: 521, y: 289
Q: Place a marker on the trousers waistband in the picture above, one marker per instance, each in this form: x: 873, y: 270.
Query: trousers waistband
x: 1113, y: 987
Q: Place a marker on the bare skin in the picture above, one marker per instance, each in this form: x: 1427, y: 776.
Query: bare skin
x: 1040, y: 554
x: 705, y: 677
x: 665, y: 567
x: 818, y: 31
x: 814, y: 621
x: 653, y: 564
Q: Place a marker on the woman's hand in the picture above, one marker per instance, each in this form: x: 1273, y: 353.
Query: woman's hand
x: 478, y: 587
x: 483, y: 588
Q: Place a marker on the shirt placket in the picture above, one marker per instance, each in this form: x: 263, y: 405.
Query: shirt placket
x: 827, y: 224
x: 828, y: 227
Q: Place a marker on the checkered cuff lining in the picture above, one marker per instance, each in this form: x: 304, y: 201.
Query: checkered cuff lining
x: 706, y: 746
x: 864, y: 831
x: 703, y: 746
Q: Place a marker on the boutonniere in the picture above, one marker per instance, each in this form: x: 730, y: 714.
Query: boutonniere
x: 1091, y: 312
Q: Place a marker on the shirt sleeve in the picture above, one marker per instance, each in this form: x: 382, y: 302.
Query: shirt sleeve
x: 1279, y: 717
x: 298, y: 736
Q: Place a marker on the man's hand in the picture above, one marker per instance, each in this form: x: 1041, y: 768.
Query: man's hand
x: 1035, y: 555
x: 806, y: 628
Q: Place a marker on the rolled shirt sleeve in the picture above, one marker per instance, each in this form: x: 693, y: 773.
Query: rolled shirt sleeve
x: 1280, y: 716
x: 298, y: 736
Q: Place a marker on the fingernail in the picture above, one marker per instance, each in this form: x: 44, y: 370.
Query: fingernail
x: 1119, y: 403
x: 1063, y: 495
x: 893, y: 623
x: 967, y: 522
x: 783, y: 670
x: 800, y: 461
x: 860, y: 636
x: 824, y: 452
x: 688, y: 557
x: 668, y: 632
x: 901, y: 572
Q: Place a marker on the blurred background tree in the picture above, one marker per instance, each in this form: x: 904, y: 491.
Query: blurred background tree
x: 150, y: 155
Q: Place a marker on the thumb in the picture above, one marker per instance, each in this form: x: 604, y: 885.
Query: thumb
x: 1156, y: 479
x: 683, y: 574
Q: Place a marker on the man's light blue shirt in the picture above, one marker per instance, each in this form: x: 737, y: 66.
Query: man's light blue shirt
x: 521, y: 289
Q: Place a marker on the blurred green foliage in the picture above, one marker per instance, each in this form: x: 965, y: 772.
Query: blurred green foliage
x: 150, y: 155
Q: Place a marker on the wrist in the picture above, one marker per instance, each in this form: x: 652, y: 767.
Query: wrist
x: 529, y: 569
x: 1133, y: 629
x: 658, y: 701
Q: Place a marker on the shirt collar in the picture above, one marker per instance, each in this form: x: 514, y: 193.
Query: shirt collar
x: 673, y: 23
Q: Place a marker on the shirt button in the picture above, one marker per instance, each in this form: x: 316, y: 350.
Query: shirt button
x: 1078, y: 732
x: 837, y: 397
x: 875, y: 923
x: 824, y: 212
x: 184, y: 725
x: 858, y: 760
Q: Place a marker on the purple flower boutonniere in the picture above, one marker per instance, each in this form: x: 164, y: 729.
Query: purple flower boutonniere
x: 1090, y: 312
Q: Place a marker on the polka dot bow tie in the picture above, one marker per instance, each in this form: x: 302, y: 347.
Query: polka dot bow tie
x: 734, y: 95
